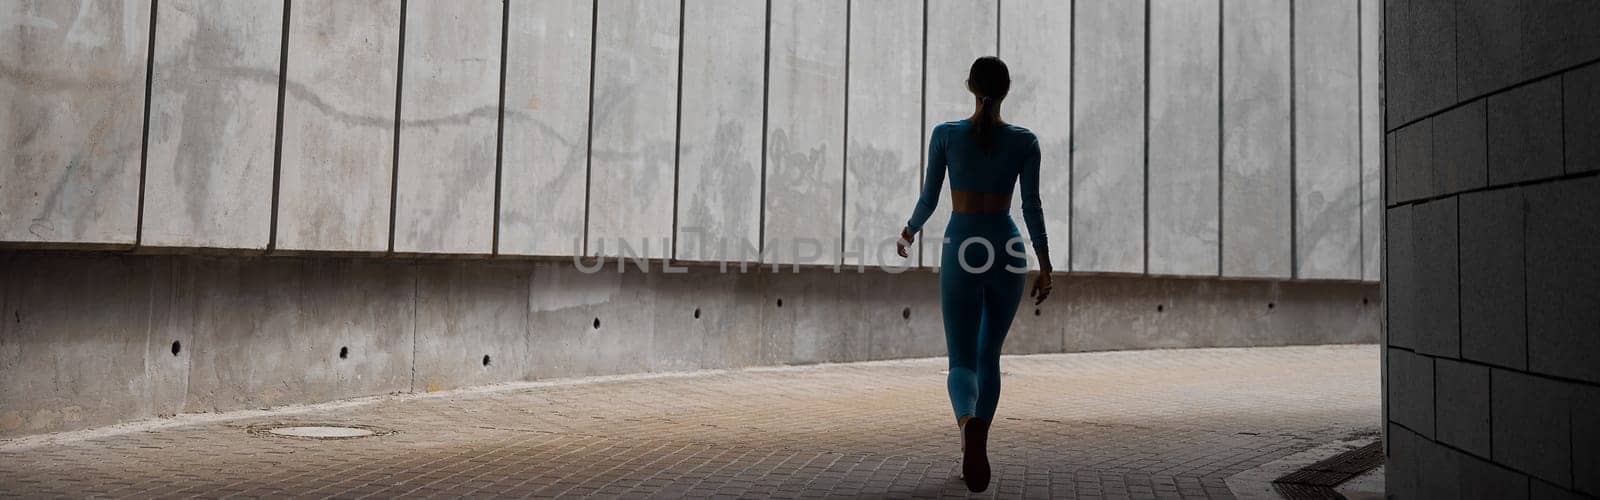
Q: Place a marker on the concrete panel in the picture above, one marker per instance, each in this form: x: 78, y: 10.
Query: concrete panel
x: 1563, y: 231
x: 707, y: 319
x: 800, y: 319
x: 898, y: 315
x: 583, y: 324
x: 634, y: 126
x: 75, y: 349
x: 1109, y: 313
x: 1109, y: 116
x: 1524, y: 130
x: 336, y: 175
x: 1460, y: 150
x: 450, y: 101
x: 471, y: 324
x: 805, y: 132
x: 1037, y: 46
x: 1372, y: 133
x: 1532, y: 425
x: 1327, y: 141
x: 1582, y: 118
x: 884, y: 151
x: 545, y: 145
x: 1185, y: 141
x: 74, y: 79
x: 1255, y: 153
x: 1493, y: 283
x: 719, y: 138
x: 1462, y: 399
x: 270, y: 332
x: 1420, y: 61
x: 213, y: 115
x: 959, y: 31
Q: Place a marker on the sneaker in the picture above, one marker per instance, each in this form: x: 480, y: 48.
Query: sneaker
x: 974, y: 454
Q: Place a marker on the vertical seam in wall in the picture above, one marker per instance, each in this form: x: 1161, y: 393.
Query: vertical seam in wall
x: 144, y: 140
x: 922, y: 124
x: 588, y: 150
x: 766, y: 92
x: 500, y: 123
x: 844, y: 191
x: 1146, y: 228
x: 997, y: 19
x: 1457, y: 201
x: 277, y: 136
x: 1527, y: 359
x: 1361, y: 150
x: 416, y: 299
x: 1294, y: 156
x: 677, y: 142
x: 394, y: 172
x: 1072, y: 133
x: 1222, y: 133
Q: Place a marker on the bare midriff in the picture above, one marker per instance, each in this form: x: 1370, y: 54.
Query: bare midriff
x: 978, y: 202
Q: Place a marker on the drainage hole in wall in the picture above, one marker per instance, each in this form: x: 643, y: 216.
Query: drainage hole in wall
x: 780, y: 302
x: 344, y: 352
x: 486, y: 360
x: 1036, y: 311
x: 1271, y: 305
x: 1161, y: 308
x: 1364, y: 301
x: 177, y: 347
x: 597, y: 323
x: 905, y: 313
x: 696, y: 313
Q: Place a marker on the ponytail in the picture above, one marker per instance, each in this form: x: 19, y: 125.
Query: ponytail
x: 990, y: 80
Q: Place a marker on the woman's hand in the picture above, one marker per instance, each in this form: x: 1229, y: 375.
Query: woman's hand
x: 905, y: 241
x: 1041, y: 287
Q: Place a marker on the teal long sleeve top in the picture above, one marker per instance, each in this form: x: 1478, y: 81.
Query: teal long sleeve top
x: 1014, y: 157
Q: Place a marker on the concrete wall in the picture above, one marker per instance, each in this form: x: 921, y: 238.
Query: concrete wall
x: 1493, y: 230
x: 89, y: 338
x: 1182, y: 138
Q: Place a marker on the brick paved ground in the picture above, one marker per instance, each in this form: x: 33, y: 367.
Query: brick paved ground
x: 1152, y: 424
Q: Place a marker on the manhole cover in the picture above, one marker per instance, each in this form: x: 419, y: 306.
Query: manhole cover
x: 318, y: 431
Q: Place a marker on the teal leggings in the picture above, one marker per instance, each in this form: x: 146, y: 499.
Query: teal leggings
x: 978, y: 303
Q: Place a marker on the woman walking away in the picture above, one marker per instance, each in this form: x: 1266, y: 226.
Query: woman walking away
x: 983, y: 265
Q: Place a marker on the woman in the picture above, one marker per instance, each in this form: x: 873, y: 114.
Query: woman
x: 982, y: 265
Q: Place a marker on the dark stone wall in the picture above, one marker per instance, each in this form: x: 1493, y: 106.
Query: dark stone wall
x: 1492, y: 121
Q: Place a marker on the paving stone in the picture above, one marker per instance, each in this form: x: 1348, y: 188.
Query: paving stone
x: 1460, y: 150
x: 1563, y: 279
x: 1524, y: 133
x: 1493, y: 286
x: 1129, y: 424
x: 1461, y: 406
x: 1532, y: 425
x: 1582, y: 115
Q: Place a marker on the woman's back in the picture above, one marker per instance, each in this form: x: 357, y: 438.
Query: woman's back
x: 1012, y: 156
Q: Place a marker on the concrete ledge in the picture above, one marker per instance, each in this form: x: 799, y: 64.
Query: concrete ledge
x: 88, y: 339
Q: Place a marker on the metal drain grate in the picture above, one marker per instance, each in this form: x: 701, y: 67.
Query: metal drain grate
x: 317, y: 431
x: 1316, y: 481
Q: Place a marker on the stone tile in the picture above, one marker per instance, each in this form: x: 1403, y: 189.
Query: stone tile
x: 1485, y: 480
x: 1524, y: 133
x: 1401, y: 468
x: 1582, y: 115
x: 1411, y: 170
x: 1505, y: 42
x: 1563, y: 302
x: 1460, y: 149
x: 1541, y: 490
x: 1400, y: 289
x: 1420, y: 57
x: 1461, y: 405
x: 1411, y: 395
x: 1493, y: 286
x: 1437, y: 277
x: 1586, y: 439
x: 1532, y: 425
